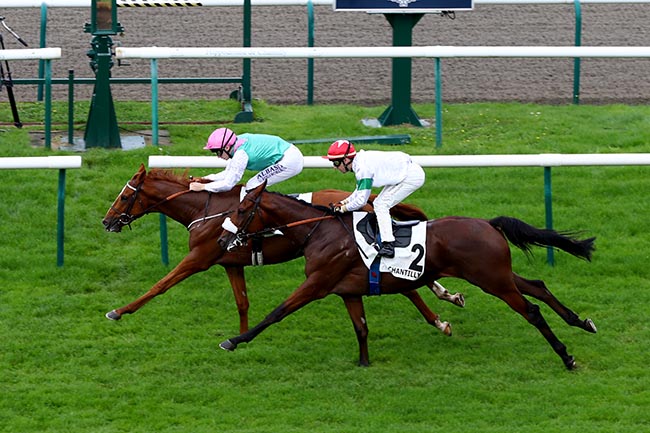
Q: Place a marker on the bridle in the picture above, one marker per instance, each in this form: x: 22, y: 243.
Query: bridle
x: 125, y: 218
x: 242, y: 235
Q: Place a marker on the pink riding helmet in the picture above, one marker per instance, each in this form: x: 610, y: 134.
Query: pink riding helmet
x: 222, y: 138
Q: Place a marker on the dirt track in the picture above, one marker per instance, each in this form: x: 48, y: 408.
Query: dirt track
x: 361, y: 81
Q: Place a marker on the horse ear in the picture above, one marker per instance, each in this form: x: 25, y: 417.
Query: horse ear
x: 259, y: 188
x: 142, y: 169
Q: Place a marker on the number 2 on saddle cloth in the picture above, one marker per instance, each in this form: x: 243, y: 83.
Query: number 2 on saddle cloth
x: 410, y: 249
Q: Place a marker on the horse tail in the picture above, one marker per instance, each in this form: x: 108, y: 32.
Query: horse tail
x: 523, y: 235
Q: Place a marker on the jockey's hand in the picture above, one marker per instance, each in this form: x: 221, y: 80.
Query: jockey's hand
x: 197, y: 186
x: 339, y: 207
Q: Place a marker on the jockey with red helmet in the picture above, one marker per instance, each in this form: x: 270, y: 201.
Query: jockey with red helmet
x: 275, y: 159
x: 394, y: 171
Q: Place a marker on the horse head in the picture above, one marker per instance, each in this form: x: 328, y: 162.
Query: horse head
x: 142, y: 194
x: 238, y: 229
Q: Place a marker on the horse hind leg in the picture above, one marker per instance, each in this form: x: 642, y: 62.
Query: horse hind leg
x: 538, y: 290
x: 442, y: 293
x: 532, y: 314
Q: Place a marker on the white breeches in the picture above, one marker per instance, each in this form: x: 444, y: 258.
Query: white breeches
x: 290, y: 165
x: 394, y: 194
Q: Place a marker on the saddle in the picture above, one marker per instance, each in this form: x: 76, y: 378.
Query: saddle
x: 402, y: 230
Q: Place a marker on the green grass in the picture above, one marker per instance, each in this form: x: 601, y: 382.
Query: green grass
x: 65, y: 368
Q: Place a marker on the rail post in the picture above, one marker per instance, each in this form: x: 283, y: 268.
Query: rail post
x: 576, y: 61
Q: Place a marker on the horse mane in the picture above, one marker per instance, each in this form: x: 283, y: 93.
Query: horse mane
x: 297, y: 200
x: 170, y: 176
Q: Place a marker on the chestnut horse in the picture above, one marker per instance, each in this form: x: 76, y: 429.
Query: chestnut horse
x: 472, y: 249
x: 203, y: 213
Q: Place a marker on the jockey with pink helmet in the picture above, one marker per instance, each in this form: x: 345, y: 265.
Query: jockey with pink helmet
x: 274, y: 158
x: 394, y: 171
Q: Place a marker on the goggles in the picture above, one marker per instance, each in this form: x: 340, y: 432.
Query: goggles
x: 218, y: 152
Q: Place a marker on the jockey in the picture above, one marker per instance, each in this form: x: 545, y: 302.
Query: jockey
x: 395, y: 171
x: 275, y: 159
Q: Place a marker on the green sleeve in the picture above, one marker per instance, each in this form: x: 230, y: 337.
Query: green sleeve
x: 364, y: 184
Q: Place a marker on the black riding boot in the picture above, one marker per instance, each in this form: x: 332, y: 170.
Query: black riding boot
x: 387, y: 250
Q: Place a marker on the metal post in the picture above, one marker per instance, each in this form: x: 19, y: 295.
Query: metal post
x: 438, y: 103
x: 245, y: 96
x: 310, y: 62
x: 71, y: 107
x: 576, y: 61
x: 48, y: 104
x: 164, y: 252
x: 43, y: 44
x: 548, y: 201
x: 400, y: 111
x: 154, y: 102
x: 60, y: 218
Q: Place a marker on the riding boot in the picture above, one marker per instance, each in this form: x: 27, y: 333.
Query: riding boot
x: 387, y: 250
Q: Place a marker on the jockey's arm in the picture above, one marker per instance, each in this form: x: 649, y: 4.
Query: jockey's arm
x: 228, y: 178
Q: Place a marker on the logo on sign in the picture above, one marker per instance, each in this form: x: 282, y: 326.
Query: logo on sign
x: 403, y: 3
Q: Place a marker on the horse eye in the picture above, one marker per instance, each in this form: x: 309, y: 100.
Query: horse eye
x: 124, y: 198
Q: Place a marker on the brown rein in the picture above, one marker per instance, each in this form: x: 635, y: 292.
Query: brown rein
x: 287, y: 226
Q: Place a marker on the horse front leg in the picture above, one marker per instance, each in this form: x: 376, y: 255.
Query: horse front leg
x: 357, y: 313
x: 238, y: 284
x: 303, y: 295
x: 431, y: 317
x: 187, y: 267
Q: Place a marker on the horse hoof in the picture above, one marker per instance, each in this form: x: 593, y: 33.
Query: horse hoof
x: 459, y: 300
x: 228, y: 345
x: 570, y: 363
x: 445, y: 327
x: 113, y: 315
x: 590, y: 326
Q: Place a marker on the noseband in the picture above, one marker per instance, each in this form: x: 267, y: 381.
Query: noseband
x: 241, y: 236
x: 126, y: 218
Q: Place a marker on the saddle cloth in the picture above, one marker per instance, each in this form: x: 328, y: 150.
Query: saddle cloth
x: 410, y: 245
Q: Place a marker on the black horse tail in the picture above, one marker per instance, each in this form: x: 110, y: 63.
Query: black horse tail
x: 523, y: 236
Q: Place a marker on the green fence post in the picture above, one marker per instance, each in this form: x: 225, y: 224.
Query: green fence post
x: 48, y: 104
x: 576, y: 61
x: 154, y: 102
x: 70, y: 107
x: 60, y: 218
x: 43, y: 44
x: 438, y: 103
x: 548, y: 201
x: 310, y: 62
x: 164, y: 251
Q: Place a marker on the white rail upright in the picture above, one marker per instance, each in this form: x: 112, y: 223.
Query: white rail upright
x: 48, y: 162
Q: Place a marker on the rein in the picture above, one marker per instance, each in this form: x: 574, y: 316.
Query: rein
x: 245, y: 236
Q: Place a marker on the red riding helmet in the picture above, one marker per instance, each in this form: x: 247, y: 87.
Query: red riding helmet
x: 340, y: 149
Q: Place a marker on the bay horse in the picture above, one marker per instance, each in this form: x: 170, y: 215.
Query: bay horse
x: 476, y: 250
x: 203, y: 213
